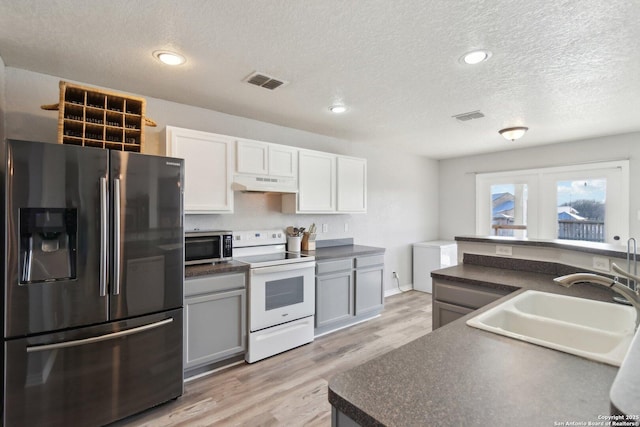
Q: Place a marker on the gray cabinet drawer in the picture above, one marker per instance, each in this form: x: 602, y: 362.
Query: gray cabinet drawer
x: 214, y: 283
x: 334, y: 266
x: 465, y: 295
x: 366, y: 261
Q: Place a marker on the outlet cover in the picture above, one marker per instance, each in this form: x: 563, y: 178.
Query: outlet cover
x: 504, y: 250
x: 325, y: 228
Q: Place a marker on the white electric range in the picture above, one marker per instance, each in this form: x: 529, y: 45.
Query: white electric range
x: 281, y: 293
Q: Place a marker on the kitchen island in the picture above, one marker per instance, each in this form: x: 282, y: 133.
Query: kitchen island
x: 459, y: 375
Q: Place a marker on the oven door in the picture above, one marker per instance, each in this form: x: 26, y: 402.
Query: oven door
x: 280, y: 294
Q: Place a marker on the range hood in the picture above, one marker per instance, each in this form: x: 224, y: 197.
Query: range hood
x: 264, y: 184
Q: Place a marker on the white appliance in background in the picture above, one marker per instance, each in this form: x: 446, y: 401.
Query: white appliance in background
x: 281, y: 293
x: 429, y: 256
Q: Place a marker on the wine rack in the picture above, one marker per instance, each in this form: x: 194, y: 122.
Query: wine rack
x: 97, y: 118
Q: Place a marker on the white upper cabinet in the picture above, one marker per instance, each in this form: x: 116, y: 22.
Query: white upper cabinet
x: 352, y: 184
x: 252, y: 157
x: 283, y: 161
x: 316, y: 181
x: 208, y: 159
x: 263, y: 158
x: 328, y: 183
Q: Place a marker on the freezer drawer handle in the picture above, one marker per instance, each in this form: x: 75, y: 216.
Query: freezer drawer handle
x: 92, y: 340
x: 116, y: 236
x: 104, y: 235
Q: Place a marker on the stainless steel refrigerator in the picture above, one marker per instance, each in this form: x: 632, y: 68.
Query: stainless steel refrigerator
x: 93, y: 289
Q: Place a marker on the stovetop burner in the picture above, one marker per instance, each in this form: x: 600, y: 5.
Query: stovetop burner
x: 265, y: 248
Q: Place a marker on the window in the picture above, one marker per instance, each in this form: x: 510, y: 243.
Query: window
x: 580, y: 202
x: 581, y: 209
x: 509, y: 209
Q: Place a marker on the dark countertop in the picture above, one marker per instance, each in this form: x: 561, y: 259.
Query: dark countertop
x: 343, y: 251
x: 604, y: 249
x: 221, y: 267
x: 459, y: 375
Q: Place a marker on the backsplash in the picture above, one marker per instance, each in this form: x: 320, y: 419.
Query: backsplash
x: 255, y: 211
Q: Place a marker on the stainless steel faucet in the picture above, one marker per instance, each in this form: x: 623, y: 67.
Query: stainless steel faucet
x: 633, y: 296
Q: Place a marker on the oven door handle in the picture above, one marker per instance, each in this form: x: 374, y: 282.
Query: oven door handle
x: 283, y: 267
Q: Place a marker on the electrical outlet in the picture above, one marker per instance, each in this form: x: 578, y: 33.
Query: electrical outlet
x: 504, y: 250
x: 346, y: 227
x: 325, y: 228
x: 600, y: 263
x: 395, y: 275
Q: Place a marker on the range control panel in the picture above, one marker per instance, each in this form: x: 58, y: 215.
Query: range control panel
x: 258, y: 238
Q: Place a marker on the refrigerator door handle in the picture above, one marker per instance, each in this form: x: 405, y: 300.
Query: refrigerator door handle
x: 116, y: 236
x: 104, y: 236
x: 106, y: 337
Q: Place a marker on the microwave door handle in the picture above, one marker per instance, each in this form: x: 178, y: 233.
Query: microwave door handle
x: 199, y: 239
x: 116, y: 237
x: 104, y: 236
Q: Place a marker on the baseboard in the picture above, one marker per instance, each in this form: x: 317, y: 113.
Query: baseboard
x: 395, y: 291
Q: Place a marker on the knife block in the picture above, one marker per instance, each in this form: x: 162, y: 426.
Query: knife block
x: 308, y: 242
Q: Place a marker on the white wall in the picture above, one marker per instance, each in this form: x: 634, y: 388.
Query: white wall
x: 457, y: 176
x: 403, y: 188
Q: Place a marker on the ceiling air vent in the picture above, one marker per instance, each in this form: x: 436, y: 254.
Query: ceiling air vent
x: 265, y: 81
x: 469, y: 116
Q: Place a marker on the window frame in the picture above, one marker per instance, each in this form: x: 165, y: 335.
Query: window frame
x: 542, y: 196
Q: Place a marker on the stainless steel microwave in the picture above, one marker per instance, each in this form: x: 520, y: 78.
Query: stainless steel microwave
x: 204, y: 247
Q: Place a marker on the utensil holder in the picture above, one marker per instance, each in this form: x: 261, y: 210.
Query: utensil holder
x: 293, y: 243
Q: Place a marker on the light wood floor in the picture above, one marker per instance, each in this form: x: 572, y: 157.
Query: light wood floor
x: 290, y: 389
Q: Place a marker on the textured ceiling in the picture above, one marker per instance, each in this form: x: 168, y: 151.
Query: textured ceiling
x: 567, y: 69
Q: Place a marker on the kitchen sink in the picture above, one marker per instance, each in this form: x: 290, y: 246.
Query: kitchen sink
x: 596, y: 330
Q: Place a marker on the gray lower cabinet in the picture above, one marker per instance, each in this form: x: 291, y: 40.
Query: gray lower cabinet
x: 369, y: 290
x: 334, y: 293
x: 334, y: 298
x: 340, y: 419
x: 444, y: 313
x: 452, y: 299
x: 215, y: 319
x: 348, y: 290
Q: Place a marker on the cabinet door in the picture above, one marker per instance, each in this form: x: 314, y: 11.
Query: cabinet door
x: 444, y: 313
x: 208, y: 163
x: 252, y: 157
x: 215, y: 326
x: 283, y: 161
x: 369, y: 290
x: 334, y: 298
x: 317, y: 183
x: 352, y: 184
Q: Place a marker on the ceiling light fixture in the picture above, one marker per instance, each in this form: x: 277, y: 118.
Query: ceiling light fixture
x: 513, y: 133
x: 475, y: 57
x: 169, y: 58
x: 338, y: 108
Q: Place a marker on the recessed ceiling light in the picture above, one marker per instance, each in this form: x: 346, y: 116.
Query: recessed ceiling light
x: 169, y: 58
x: 475, y: 57
x: 338, y: 108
